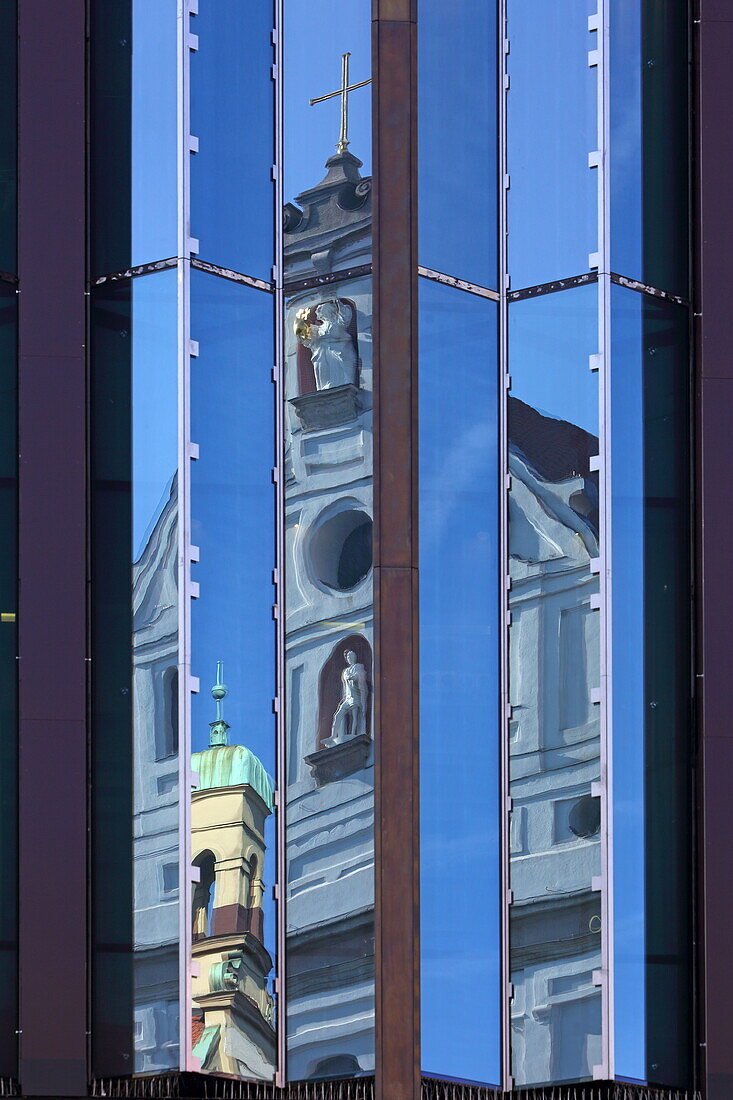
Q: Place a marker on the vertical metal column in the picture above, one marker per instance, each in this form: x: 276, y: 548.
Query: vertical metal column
x: 52, y: 545
x: 396, y: 684
x: 713, y: 153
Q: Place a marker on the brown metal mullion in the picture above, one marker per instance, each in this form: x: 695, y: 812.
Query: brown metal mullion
x: 394, y: 43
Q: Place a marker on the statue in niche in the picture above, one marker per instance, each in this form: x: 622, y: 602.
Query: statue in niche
x: 327, y: 332
x: 350, y: 717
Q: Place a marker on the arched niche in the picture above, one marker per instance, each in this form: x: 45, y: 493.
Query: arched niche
x: 329, y: 683
x: 306, y: 373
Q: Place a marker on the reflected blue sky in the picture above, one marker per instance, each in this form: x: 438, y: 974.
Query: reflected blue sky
x: 232, y: 99
x: 317, y: 33
x: 154, y: 167
x: 550, y: 341
x: 457, y: 103
x: 551, y: 128
x: 155, y: 398
x: 459, y: 684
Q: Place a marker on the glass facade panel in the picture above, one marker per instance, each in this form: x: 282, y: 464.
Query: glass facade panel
x: 554, y: 675
x: 459, y: 685
x: 8, y: 682
x: 8, y: 133
x: 232, y: 198
x: 652, y: 697
x: 457, y: 91
x: 135, y: 630
x: 134, y: 133
x: 233, y: 736
x: 649, y: 118
x: 328, y: 592
x: 552, y: 126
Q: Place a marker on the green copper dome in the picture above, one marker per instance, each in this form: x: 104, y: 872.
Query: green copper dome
x: 232, y: 766
x: 225, y: 765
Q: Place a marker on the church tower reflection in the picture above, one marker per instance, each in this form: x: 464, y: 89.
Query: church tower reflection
x: 233, y: 1019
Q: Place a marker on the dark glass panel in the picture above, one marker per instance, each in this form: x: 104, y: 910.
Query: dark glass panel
x: 459, y: 683
x: 232, y: 640
x: 112, y: 702
x: 232, y: 115
x: 649, y: 113
x: 651, y: 678
x: 554, y: 671
x: 134, y: 133
x: 135, y: 644
x: 8, y: 133
x: 552, y: 126
x: 329, y: 611
x: 8, y: 682
x: 458, y: 137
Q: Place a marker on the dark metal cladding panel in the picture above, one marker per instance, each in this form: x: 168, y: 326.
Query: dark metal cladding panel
x: 52, y: 615
x: 714, y: 415
x: 395, y: 559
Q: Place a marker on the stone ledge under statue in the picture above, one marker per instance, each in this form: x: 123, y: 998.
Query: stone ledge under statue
x: 327, y: 408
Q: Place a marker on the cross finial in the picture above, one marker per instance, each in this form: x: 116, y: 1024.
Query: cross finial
x: 218, y: 727
x: 343, y: 91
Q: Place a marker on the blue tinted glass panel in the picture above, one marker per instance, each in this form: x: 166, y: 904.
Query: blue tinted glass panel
x: 651, y: 702
x: 135, y: 615
x: 155, y: 657
x: 327, y: 584
x: 459, y: 686
x: 134, y: 61
x: 649, y: 111
x: 554, y: 675
x: 458, y: 138
x: 232, y: 116
x: 551, y: 128
x: 233, y: 655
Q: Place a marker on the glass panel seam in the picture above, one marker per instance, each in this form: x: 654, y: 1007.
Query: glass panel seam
x: 458, y: 283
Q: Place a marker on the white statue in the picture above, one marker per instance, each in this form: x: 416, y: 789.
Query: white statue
x: 330, y: 343
x: 351, y: 713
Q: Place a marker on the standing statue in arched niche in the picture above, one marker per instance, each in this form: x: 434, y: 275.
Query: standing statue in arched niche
x: 344, y: 694
x: 327, y: 332
x: 349, y: 719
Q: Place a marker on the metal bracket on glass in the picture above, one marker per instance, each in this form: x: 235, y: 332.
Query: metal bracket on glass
x: 276, y: 577
x: 595, y: 565
x: 193, y: 7
x: 594, y: 57
x: 506, y: 81
x: 194, y: 589
x: 510, y: 991
x: 193, y: 144
x: 193, y: 245
x: 594, y: 463
x: 594, y: 23
x: 275, y: 375
x: 595, y: 601
x: 193, y: 349
x: 596, y: 788
x: 194, y: 685
x: 273, y: 173
x: 507, y: 377
x: 276, y: 706
x: 194, y: 779
x: 599, y: 1073
x: 507, y: 181
x: 275, y: 475
x: 507, y: 281
x: 595, y: 360
x: 508, y: 618
x: 276, y: 611
x: 508, y: 581
x: 193, y: 42
x: 195, y: 968
x: 510, y: 897
x: 509, y: 483
x: 595, y: 696
x: 194, y: 554
x: 273, y: 73
x: 596, y: 884
x: 594, y: 159
x: 194, y: 873
x: 193, y: 451
x: 594, y: 260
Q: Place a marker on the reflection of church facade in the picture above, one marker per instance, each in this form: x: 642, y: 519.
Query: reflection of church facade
x: 233, y: 1024
x: 555, y: 921
x: 329, y: 626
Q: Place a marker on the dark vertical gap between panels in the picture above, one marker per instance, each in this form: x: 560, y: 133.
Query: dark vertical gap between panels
x: 52, y: 548
x: 394, y: 44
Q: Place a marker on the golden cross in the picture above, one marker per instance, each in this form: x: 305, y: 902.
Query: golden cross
x: 343, y: 91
